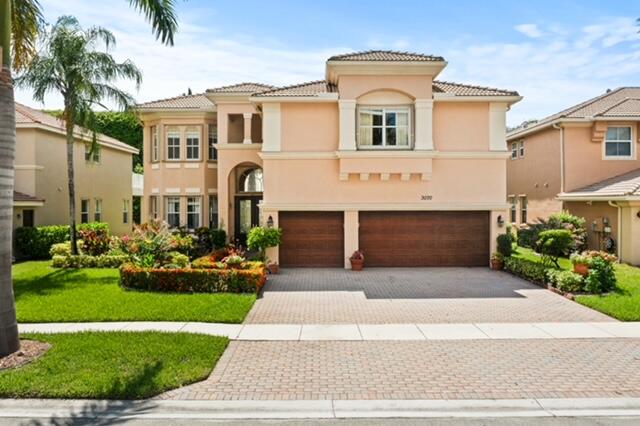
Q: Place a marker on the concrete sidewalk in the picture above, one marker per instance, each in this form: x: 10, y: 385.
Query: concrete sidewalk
x: 363, y: 332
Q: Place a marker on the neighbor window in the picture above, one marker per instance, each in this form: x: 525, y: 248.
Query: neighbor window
x: 94, y: 156
x: 173, y: 143
x: 514, y: 150
x: 155, y: 146
x: 523, y: 210
x: 97, y: 212
x: 193, y: 143
x: 84, y: 210
x: 193, y: 212
x: 153, y: 206
x: 213, y: 140
x: 384, y: 127
x: 514, y: 210
x: 521, y: 149
x: 213, y: 211
x: 125, y: 211
x: 618, y: 143
x: 173, y: 211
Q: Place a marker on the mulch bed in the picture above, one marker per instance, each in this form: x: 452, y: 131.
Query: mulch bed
x: 30, y: 350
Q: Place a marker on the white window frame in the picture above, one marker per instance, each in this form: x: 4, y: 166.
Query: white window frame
x: 173, y: 133
x: 513, y: 210
x: 197, y: 203
x: 514, y: 150
x: 153, y: 206
x: 97, y: 211
x: 213, y: 212
x: 521, y: 150
x: 192, y: 134
x: 125, y: 211
x: 212, y: 141
x: 386, y: 109
x: 155, y: 145
x: 524, y: 209
x: 85, y: 213
x: 97, y: 154
x: 171, y: 202
x: 632, y: 151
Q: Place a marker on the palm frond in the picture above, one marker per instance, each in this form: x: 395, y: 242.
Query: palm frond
x: 26, y: 24
x: 161, y: 14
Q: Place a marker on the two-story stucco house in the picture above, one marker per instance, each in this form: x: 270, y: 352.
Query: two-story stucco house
x: 380, y: 156
x: 102, y: 178
x: 584, y: 160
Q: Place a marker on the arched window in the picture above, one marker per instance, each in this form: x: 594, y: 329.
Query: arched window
x: 251, y: 181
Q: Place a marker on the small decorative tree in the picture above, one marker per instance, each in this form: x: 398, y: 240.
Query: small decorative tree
x: 261, y: 238
x: 553, y: 244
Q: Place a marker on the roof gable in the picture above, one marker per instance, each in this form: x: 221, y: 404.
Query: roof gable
x: 386, y: 55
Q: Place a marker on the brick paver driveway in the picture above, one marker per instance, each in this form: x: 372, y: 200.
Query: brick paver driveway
x: 410, y: 295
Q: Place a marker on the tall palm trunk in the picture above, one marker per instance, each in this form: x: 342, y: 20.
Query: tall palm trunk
x: 71, y: 185
x: 9, y: 339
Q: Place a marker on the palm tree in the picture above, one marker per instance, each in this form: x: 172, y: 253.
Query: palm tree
x: 20, y: 24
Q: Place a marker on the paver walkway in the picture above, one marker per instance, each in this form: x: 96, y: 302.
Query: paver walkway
x: 410, y: 295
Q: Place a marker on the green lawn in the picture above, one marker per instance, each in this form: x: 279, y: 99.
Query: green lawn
x: 623, y: 303
x: 115, y: 365
x: 46, y: 294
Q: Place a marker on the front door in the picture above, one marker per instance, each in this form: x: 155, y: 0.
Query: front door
x: 247, y: 216
x: 27, y: 218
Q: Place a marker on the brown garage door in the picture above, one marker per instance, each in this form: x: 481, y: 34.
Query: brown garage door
x: 312, y: 239
x: 425, y: 238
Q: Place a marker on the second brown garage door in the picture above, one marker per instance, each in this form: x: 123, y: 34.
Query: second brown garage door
x: 312, y: 239
x: 454, y: 238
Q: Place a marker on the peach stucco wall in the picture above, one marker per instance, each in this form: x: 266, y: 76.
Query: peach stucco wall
x: 299, y: 118
x: 459, y: 126
x: 354, y: 86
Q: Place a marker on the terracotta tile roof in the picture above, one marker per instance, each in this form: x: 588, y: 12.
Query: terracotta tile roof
x: 621, y: 102
x: 21, y: 196
x: 312, y: 88
x: 242, y: 88
x: 26, y: 116
x: 198, y: 101
x: 469, y: 90
x: 386, y: 55
x: 627, y: 184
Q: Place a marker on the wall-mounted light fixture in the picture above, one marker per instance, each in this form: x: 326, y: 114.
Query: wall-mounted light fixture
x: 270, y: 222
x: 500, y: 221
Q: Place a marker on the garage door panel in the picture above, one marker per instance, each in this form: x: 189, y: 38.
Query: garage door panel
x: 312, y: 239
x: 425, y: 238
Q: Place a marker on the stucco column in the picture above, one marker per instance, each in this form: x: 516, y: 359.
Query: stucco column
x: 272, y: 127
x: 496, y: 229
x: 351, y: 237
x: 347, y: 125
x: 497, y: 126
x: 424, y: 124
x: 247, y: 127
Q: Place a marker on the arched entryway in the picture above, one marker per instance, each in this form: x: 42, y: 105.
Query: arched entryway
x: 248, y: 195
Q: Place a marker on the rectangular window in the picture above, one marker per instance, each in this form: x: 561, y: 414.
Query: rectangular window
x: 153, y: 207
x: 173, y: 143
x: 155, y: 146
x: 193, y: 212
x: 514, y: 150
x: 213, y: 140
x: 125, y: 211
x: 94, y: 156
x: 521, y: 149
x: 193, y: 143
x: 84, y: 210
x: 618, y: 143
x: 384, y: 127
x: 514, y: 210
x: 523, y: 210
x: 97, y: 213
x: 173, y: 211
x: 213, y: 211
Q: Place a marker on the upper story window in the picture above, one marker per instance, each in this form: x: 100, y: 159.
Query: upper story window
x: 384, y: 127
x: 521, y: 149
x: 517, y: 150
x: 213, y: 140
x: 173, y: 143
x: 619, y: 142
x: 193, y: 143
x: 514, y: 210
x: 90, y: 156
x: 155, y: 145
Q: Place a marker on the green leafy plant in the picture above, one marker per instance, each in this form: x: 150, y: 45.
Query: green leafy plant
x: 505, y: 244
x: 532, y: 271
x: 261, y: 238
x: 567, y: 281
x: 86, y: 261
x: 601, y: 277
x: 95, y: 241
x: 553, y: 244
x: 153, y: 245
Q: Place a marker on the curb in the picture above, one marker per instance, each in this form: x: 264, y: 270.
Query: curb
x: 320, y: 409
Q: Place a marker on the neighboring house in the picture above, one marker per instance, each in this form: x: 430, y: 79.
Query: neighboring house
x: 585, y: 160
x: 103, y: 180
x: 379, y: 157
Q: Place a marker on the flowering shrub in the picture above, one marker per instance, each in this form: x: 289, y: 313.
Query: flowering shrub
x: 567, y: 281
x: 95, y: 241
x: 188, y: 280
x: 152, y: 245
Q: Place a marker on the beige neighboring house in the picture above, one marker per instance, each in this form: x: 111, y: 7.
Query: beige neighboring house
x: 103, y: 181
x: 585, y: 160
x: 379, y: 156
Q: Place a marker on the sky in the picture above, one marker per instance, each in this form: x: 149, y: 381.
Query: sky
x: 554, y: 53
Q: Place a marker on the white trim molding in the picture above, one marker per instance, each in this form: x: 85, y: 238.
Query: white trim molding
x: 28, y: 203
x: 172, y: 190
x: 298, y: 155
x: 497, y: 126
x: 172, y: 165
x: 254, y: 146
x: 499, y: 206
x: 192, y: 165
x: 347, y: 109
x: 272, y: 127
x: 28, y: 167
x: 192, y: 190
x: 424, y: 124
x: 332, y: 155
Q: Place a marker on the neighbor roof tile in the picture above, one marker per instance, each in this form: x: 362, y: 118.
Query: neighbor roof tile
x: 386, y: 55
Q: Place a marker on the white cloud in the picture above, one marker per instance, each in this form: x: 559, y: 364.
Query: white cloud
x: 530, y: 30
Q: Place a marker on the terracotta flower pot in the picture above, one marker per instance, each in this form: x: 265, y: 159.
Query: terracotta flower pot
x: 274, y: 268
x: 357, y: 264
x: 581, y: 268
x: 497, y: 264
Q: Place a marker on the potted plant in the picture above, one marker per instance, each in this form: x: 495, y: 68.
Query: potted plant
x: 581, y: 263
x: 261, y: 238
x: 357, y: 260
x: 497, y: 261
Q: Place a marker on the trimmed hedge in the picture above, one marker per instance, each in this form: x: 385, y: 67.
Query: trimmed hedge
x: 527, y: 269
x: 86, y: 261
x: 195, y: 280
x: 35, y: 243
